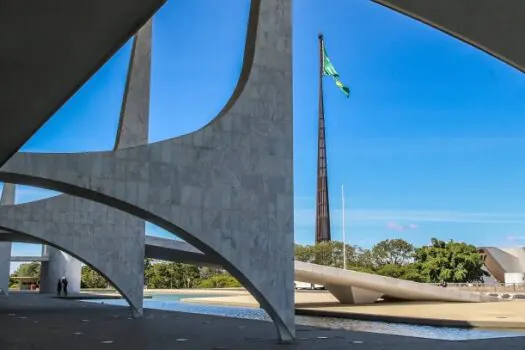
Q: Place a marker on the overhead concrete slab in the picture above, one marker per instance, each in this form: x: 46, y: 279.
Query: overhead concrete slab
x: 49, y: 49
x: 494, y: 26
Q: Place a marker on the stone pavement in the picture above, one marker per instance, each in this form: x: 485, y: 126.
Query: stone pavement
x: 35, y: 322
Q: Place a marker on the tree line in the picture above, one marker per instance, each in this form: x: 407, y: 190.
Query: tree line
x: 453, y: 262
x: 157, y: 275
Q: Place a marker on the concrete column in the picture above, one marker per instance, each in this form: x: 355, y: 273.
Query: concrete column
x: 5, y: 265
x: 8, y: 198
x: 59, y: 265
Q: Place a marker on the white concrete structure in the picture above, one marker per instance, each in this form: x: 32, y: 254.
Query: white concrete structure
x: 227, y: 188
x: 58, y: 265
x: 501, y: 262
x: 107, y: 239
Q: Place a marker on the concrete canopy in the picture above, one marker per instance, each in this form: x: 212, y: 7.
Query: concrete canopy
x: 493, y: 26
x: 49, y: 49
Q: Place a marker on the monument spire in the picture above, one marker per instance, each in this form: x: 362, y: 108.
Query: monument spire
x: 322, y: 218
x: 133, y: 125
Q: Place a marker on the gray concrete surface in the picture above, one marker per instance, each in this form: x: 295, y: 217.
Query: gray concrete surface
x: 107, y: 239
x: 493, y: 26
x: 227, y: 188
x: 174, y: 250
x: 49, y: 49
x: 110, y: 241
x: 498, y: 262
x: 31, y: 322
x: 7, y: 198
x: 29, y: 258
x: 59, y: 265
x: 388, y: 286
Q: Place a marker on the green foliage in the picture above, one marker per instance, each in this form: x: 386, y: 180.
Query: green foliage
x: 392, y: 252
x: 92, y: 279
x: 31, y: 269
x: 164, y: 275
x: 449, y: 261
x: 325, y: 253
x: 219, y: 281
x: 404, y: 272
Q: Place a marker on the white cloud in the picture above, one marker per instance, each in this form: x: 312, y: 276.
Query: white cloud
x: 516, y: 238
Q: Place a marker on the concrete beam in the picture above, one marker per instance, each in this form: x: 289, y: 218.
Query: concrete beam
x: 493, y: 26
x: 29, y: 258
x: 50, y: 49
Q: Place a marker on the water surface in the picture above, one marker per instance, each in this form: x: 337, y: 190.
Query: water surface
x: 171, y: 302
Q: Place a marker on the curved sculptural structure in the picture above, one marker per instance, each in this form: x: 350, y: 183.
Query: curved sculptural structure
x: 227, y: 188
x: 493, y: 26
x: 107, y: 239
x: 110, y: 241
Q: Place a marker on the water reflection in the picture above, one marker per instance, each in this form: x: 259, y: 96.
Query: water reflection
x: 173, y: 303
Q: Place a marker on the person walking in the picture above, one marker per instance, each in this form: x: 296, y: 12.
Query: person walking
x: 64, y: 285
x: 59, y: 287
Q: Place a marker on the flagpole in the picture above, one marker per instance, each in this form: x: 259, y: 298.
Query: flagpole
x: 322, y: 220
x: 344, y: 233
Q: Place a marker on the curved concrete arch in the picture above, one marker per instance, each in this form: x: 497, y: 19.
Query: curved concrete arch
x: 80, y: 228
x: 227, y: 188
x: 68, y: 216
x: 134, y: 303
x: 492, y: 26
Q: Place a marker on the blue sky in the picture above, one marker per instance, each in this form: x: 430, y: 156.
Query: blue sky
x: 429, y: 144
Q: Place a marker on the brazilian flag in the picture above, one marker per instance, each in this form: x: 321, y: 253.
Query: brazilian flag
x: 329, y: 70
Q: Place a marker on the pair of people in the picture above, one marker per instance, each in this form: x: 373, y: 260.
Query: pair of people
x: 62, y: 286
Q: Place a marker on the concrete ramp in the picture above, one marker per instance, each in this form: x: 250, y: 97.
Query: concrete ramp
x: 392, y: 287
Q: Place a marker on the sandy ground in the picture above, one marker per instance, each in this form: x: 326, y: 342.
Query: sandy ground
x: 507, y: 314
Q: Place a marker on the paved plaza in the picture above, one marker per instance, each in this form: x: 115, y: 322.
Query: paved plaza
x: 29, y: 321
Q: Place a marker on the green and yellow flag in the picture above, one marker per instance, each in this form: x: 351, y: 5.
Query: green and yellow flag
x: 329, y: 70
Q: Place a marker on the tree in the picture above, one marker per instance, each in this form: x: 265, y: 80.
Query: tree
x: 449, y: 261
x: 92, y: 279
x: 404, y: 272
x: 304, y: 253
x: 392, y: 251
x: 31, y: 269
x: 325, y: 253
x: 220, y: 281
x: 164, y: 275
